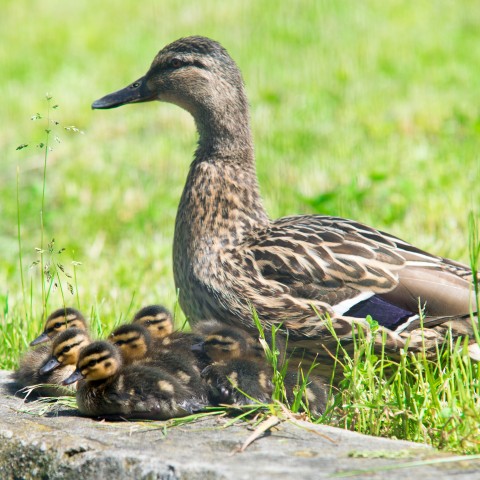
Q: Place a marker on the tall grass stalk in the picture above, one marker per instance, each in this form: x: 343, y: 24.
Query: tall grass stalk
x: 46, y: 149
x: 19, y: 240
x: 474, y: 253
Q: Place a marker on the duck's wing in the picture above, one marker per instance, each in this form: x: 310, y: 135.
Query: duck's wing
x: 344, y: 268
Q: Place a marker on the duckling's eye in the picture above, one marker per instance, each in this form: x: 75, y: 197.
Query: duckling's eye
x: 58, y: 325
x: 119, y: 343
x: 91, y: 363
x: 176, y: 63
x: 66, y: 349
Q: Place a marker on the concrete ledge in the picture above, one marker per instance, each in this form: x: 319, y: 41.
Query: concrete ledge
x: 65, y: 445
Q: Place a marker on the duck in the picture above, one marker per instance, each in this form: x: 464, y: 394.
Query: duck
x: 236, y: 374
x: 158, y: 320
x: 318, y: 277
x: 65, y: 350
x: 108, y: 389
x: 58, y: 321
x: 315, y: 394
x: 28, y: 372
x: 137, y: 347
x: 50, y: 364
x: 239, y: 375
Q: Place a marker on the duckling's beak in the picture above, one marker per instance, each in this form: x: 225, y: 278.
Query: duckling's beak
x: 74, y: 377
x: 52, y: 364
x: 40, y: 339
x: 136, y: 92
x: 198, y: 347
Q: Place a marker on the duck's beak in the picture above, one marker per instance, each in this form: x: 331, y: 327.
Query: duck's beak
x: 40, y: 339
x: 136, y: 92
x: 52, y: 364
x: 74, y: 377
x: 198, y: 347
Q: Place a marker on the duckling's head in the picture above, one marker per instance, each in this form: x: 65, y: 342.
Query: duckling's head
x: 156, y: 319
x: 226, y: 344
x: 60, y: 320
x: 195, y: 73
x: 66, y: 349
x: 96, y: 362
x: 133, y: 341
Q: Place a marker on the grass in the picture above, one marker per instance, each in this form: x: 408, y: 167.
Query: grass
x: 434, y: 401
x: 367, y: 110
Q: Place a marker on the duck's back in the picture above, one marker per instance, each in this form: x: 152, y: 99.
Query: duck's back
x: 137, y: 392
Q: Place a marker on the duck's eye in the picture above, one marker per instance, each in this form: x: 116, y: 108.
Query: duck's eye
x: 66, y: 349
x: 135, y: 85
x: 58, y: 325
x: 91, y: 363
x: 176, y: 63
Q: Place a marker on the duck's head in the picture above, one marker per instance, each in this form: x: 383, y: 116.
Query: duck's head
x: 195, y: 73
x: 224, y: 344
x: 97, y: 361
x: 58, y: 321
x: 156, y: 319
x: 66, y: 348
x: 132, y: 340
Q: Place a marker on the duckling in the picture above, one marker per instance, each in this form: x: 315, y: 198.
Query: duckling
x: 33, y: 360
x: 49, y: 365
x: 237, y: 375
x: 133, y: 391
x: 242, y: 343
x: 66, y: 348
x: 315, y: 393
x: 58, y: 321
x: 157, y: 319
x: 230, y: 257
x: 138, y: 348
x: 159, y: 322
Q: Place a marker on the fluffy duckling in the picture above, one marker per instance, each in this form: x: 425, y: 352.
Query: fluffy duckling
x: 58, y: 321
x: 315, y: 394
x: 66, y: 348
x: 33, y: 360
x: 132, y: 391
x: 138, y: 348
x: 49, y: 365
x: 237, y: 375
x: 158, y: 320
x: 239, y: 365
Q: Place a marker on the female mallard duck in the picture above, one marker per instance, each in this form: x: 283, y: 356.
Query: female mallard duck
x: 229, y: 256
x: 138, y: 348
x: 129, y: 392
x: 58, y: 321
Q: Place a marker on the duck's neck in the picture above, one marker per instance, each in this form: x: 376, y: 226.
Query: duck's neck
x: 221, y: 200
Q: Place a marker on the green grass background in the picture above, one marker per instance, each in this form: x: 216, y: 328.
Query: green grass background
x: 369, y: 110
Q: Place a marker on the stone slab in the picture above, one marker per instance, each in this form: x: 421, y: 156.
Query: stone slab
x: 64, y: 445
